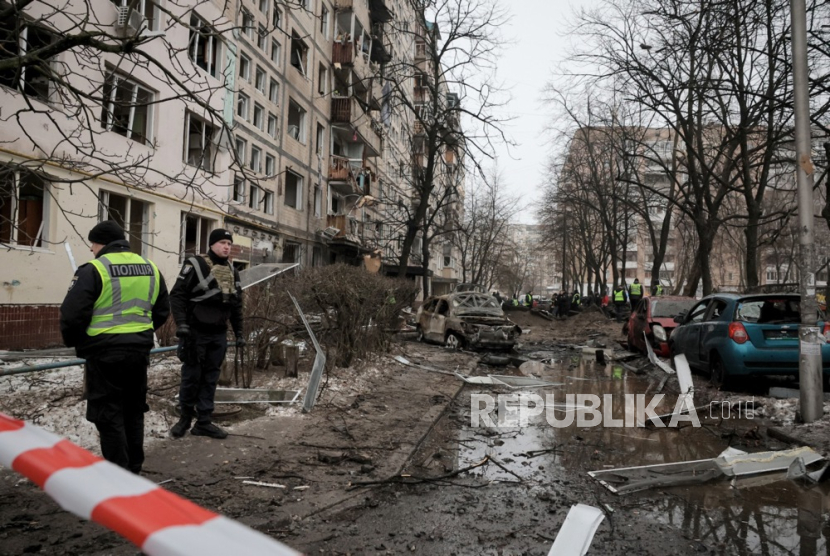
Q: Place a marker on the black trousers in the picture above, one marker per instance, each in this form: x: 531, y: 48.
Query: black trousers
x: 202, y: 356
x: 116, y: 394
x: 634, y: 299
x: 619, y: 310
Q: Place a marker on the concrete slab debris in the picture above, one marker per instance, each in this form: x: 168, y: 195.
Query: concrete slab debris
x: 577, y: 532
x: 255, y: 395
x: 735, y: 465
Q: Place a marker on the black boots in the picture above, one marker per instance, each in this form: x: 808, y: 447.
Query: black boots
x: 181, y: 427
x: 208, y: 429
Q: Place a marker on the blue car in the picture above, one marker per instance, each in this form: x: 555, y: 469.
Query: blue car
x: 734, y: 335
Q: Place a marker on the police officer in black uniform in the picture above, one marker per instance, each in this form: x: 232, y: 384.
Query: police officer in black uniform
x: 207, y: 295
x: 113, y: 305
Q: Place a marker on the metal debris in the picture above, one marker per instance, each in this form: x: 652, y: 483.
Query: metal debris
x: 255, y: 395
x: 577, y: 532
x: 656, y: 360
x: 730, y: 463
x: 318, y: 366
x: 261, y: 484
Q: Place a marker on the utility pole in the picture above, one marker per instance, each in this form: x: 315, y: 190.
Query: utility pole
x: 809, y: 343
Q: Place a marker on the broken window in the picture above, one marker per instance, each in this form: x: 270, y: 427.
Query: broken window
x: 22, y: 204
x: 293, y: 190
x: 131, y: 214
x: 126, y: 108
x: 242, y: 106
x: 204, y: 46
x: 321, y: 137
x: 195, y: 232
x: 146, y: 8
x: 35, y: 78
x: 324, y: 22
x: 291, y: 252
x: 239, y: 189
x: 268, y: 202
x: 318, y: 201
x: 256, y: 159
x: 254, y: 197
x: 241, y: 151
x: 244, y: 68
x: 259, y: 80
x: 299, y: 53
x: 296, y: 121
x: 272, y: 126
x: 262, y: 39
x: 248, y: 23
x: 274, y: 91
x: 199, y: 148
x: 276, y: 52
x: 322, y: 80
x: 269, y: 165
x: 259, y: 116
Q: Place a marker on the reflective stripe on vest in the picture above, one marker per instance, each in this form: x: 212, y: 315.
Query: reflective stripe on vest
x: 619, y: 295
x: 129, y: 290
x: 636, y: 289
x: 204, y: 282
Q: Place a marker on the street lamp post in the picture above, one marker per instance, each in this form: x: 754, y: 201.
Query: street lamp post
x: 809, y: 345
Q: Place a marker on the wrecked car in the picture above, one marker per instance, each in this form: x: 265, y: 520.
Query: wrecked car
x: 466, y: 319
x: 733, y: 335
x: 653, y: 318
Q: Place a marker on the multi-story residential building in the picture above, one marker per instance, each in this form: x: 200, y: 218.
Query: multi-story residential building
x: 268, y: 119
x: 98, y: 135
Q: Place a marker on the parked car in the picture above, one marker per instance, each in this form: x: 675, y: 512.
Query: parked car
x: 653, y: 318
x: 734, y: 335
x: 469, y: 318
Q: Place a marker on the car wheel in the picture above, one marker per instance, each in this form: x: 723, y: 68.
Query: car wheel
x: 719, y: 376
x: 454, y: 341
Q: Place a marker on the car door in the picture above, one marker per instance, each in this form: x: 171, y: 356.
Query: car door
x: 713, y: 329
x: 686, y: 337
x: 425, y: 317
x: 438, y: 323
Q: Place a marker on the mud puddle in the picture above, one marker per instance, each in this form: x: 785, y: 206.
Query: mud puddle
x: 762, y: 515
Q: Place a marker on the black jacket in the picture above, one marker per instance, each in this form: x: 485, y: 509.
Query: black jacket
x: 212, y: 314
x: 77, y: 307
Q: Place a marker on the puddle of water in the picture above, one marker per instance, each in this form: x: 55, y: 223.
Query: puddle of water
x: 762, y: 515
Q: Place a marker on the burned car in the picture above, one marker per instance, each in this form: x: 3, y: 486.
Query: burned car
x: 466, y: 319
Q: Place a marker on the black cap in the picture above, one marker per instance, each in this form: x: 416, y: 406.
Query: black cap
x: 218, y: 235
x: 106, y: 232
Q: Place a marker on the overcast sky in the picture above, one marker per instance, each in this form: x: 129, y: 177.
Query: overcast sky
x: 538, y: 43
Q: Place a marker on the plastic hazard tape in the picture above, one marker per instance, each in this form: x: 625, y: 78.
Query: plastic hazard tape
x: 155, y: 520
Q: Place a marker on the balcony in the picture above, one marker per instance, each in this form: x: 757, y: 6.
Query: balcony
x: 343, y: 4
x: 343, y: 53
x: 347, y: 113
x: 349, y: 228
x: 343, y: 175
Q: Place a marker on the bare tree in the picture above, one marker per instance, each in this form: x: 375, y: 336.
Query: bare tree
x: 482, y: 238
x: 449, y: 114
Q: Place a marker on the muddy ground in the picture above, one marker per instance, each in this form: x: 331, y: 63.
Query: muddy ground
x: 375, y: 467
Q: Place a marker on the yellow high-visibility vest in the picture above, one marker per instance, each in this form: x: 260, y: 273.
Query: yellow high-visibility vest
x: 130, y: 288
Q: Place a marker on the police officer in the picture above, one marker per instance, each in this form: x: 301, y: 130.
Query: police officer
x: 113, y: 305
x: 529, y: 299
x: 619, y: 302
x: 658, y: 290
x: 635, y: 293
x: 576, y: 300
x: 207, y: 295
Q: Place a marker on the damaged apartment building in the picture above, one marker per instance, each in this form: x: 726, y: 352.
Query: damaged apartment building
x: 271, y: 119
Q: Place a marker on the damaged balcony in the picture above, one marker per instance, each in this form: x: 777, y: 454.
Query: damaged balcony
x: 343, y: 174
x: 350, y: 119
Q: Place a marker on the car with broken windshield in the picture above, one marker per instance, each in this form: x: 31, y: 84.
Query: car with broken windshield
x: 652, y: 321
x: 466, y: 319
x: 733, y: 335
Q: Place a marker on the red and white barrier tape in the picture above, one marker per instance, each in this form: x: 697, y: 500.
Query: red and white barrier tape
x: 159, y: 522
